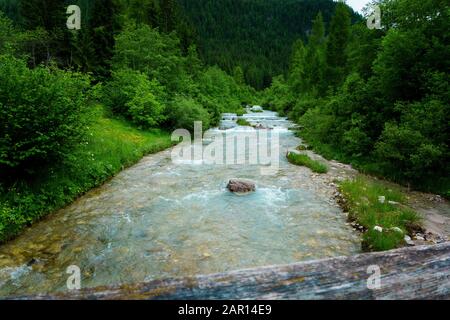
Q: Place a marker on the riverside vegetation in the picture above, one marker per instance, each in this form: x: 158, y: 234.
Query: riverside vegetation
x: 76, y: 107
x: 377, y: 99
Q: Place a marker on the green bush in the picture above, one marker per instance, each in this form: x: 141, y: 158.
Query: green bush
x: 10, y: 222
x: 301, y: 106
x: 214, y: 108
x: 185, y: 111
x: 130, y: 94
x: 42, y: 112
x: 407, y: 154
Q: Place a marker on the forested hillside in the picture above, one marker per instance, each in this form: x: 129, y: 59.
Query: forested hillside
x: 256, y: 35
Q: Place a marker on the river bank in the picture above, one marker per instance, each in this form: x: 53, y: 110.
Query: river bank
x: 433, y: 211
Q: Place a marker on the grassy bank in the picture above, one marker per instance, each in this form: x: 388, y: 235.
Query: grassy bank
x: 361, y: 198
x: 367, y: 165
x: 305, y: 160
x: 243, y: 122
x: 110, y: 146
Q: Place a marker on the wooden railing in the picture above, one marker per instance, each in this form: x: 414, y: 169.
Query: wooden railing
x: 409, y: 273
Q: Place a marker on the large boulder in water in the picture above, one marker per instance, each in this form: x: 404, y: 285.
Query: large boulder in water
x: 241, y: 186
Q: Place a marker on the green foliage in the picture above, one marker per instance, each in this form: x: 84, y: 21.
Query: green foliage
x: 243, y: 122
x: 185, y: 111
x: 297, y: 75
x: 278, y: 96
x: 155, y: 54
x: 109, y: 146
x: 255, y: 35
x: 314, y: 64
x: 376, y: 98
x: 305, y: 160
x: 336, y: 48
x: 406, y: 153
x: 130, y: 94
x: 102, y: 26
x: 362, y: 201
x: 43, y: 114
x: 302, y: 105
x: 8, y: 34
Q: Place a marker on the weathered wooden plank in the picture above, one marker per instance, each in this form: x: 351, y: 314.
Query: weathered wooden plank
x: 409, y: 273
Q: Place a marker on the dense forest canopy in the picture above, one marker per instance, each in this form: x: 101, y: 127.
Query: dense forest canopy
x: 256, y: 35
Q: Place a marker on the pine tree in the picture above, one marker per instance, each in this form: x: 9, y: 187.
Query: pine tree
x: 238, y: 75
x: 47, y: 16
x: 83, y: 51
x: 314, y: 67
x: 103, y: 26
x: 296, y: 78
x: 193, y: 63
x: 317, y: 36
x: 336, y: 57
x: 143, y: 11
x: 167, y: 15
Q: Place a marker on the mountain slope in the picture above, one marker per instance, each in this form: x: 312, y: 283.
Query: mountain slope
x: 256, y: 34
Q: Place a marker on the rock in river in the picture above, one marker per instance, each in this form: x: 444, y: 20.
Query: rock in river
x: 241, y: 186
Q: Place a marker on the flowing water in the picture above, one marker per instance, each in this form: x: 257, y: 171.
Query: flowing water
x: 159, y: 219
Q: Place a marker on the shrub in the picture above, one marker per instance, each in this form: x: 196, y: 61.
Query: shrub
x: 10, y: 222
x: 214, y: 108
x: 42, y: 112
x: 130, y: 94
x: 355, y: 142
x: 185, y: 111
x: 407, y: 154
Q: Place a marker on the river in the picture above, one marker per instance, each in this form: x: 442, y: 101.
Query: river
x: 160, y: 219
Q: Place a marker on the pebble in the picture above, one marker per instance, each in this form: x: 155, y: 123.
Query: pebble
x: 382, y: 199
x: 397, y: 229
x: 408, y: 241
x: 378, y: 228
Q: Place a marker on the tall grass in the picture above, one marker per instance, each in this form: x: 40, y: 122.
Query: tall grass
x: 363, y: 204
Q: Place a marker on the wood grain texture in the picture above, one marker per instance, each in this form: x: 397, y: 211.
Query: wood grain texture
x: 408, y: 273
